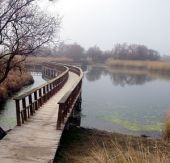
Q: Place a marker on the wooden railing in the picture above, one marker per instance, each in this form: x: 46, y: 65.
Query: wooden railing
x: 49, y: 70
x: 68, y: 101
x: 29, y: 102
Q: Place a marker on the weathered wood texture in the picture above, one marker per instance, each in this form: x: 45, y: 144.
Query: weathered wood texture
x: 27, y: 103
x: 69, y: 100
x: 37, y: 139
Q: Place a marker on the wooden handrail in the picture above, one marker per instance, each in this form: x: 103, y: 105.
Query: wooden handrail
x: 68, y: 101
x: 27, y: 103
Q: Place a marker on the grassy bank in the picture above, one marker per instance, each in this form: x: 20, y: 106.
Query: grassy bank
x: 40, y: 60
x: 14, y: 82
x: 161, y: 66
x: 81, y: 145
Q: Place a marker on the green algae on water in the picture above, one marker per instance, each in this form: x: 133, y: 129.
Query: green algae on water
x: 133, y: 126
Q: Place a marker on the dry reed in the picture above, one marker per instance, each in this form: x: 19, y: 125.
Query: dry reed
x: 39, y: 60
x: 14, y: 82
x: 167, y: 126
x: 163, y: 66
x: 95, y: 146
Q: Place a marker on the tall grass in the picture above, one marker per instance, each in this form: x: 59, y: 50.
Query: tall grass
x: 39, y: 60
x: 163, y: 66
x: 14, y: 82
x: 119, y: 154
x: 167, y: 126
x: 94, y: 146
x: 114, y: 152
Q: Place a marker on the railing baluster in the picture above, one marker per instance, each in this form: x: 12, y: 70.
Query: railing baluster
x: 24, y: 108
x: 35, y: 98
x: 40, y: 95
x: 18, y: 114
x: 30, y: 103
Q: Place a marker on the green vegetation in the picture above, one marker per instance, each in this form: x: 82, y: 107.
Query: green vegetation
x: 80, y: 145
x: 133, y: 126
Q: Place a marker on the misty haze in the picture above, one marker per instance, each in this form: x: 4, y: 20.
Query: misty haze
x: 85, y: 81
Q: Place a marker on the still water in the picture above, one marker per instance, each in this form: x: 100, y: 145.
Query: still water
x: 7, y: 109
x: 130, y: 102
x: 125, y: 102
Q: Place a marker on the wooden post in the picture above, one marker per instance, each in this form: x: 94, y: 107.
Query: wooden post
x: 40, y: 98
x: 50, y: 89
x: 60, y: 119
x: 47, y: 88
x: 24, y: 108
x: 30, y: 103
x: 18, y: 113
x: 35, y: 98
x: 44, y: 95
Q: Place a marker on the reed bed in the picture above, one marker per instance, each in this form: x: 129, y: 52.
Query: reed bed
x: 167, y: 126
x: 162, y: 66
x: 15, y: 81
x: 40, y: 60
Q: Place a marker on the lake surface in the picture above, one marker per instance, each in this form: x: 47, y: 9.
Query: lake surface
x: 125, y: 102
x: 130, y: 102
x: 8, y: 109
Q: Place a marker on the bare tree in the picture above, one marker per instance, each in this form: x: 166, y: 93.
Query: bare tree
x: 134, y: 52
x: 23, y: 29
x: 95, y: 54
x: 74, y: 51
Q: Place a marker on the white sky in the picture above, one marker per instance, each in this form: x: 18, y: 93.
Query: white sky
x: 106, y: 22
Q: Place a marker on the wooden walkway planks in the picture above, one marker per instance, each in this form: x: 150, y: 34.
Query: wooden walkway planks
x: 38, y: 139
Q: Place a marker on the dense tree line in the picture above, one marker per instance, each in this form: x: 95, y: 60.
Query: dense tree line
x: 134, y: 52
x: 95, y: 54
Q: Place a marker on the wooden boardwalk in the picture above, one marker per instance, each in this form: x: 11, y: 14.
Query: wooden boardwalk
x: 37, y: 139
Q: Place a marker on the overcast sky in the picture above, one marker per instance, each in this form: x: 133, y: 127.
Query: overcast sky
x: 106, y: 22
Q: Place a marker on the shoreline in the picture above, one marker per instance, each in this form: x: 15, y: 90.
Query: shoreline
x: 80, y: 145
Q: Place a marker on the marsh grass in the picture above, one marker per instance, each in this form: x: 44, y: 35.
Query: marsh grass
x: 15, y: 81
x: 167, y: 126
x: 161, y: 66
x: 40, y: 60
x: 84, y: 145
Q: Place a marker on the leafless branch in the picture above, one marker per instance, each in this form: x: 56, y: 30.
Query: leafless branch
x: 23, y: 29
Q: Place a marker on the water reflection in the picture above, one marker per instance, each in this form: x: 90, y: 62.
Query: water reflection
x: 130, y: 102
x: 94, y: 73
x: 124, y: 77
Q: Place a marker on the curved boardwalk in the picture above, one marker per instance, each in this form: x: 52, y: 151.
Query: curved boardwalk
x: 37, y: 140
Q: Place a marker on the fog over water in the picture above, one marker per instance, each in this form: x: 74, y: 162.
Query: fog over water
x: 104, y: 23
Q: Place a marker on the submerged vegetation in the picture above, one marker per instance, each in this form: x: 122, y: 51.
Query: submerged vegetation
x: 15, y: 81
x: 80, y: 145
x: 133, y: 126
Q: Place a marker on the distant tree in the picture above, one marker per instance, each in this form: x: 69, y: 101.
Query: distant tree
x: 23, y: 29
x: 74, y: 51
x: 134, y: 52
x: 95, y: 54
